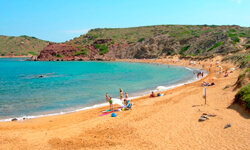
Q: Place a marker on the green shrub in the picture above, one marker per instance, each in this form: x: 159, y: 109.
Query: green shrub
x: 245, y: 61
x: 232, y: 35
x: 58, y: 55
x: 242, y: 34
x: 198, y: 51
x: 227, y: 86
x: 169, y: 53
x: 233, y: 42
x: 243, y: 96
x: 185, y: 48
x: 140, y: 40
x: 216, y: 45
x: 247, y: 46
x: 11, y: 37
x: 103, y: 49
x: 236, y: 39
x: 97, y: 46
x: 32, y: 53
x: 172, y: 34
x: 197, y: 35
x: 95, y: 36
x: 247, y: 70
x: 78, y: 46
x: 231, y: 30
x: 24, y: 54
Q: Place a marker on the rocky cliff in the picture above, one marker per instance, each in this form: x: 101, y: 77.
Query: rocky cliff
x: 150, y: 42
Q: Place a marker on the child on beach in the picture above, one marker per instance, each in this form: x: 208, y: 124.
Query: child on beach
x: 111, y: 104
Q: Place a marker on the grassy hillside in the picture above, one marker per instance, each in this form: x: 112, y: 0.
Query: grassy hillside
x: 161, y: 40
x: 135, y: 34
x: 21, y: 45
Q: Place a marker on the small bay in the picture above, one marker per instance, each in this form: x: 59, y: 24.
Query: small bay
x: 33, y: 88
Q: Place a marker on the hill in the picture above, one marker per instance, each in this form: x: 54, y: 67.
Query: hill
x: 157, y: 41
x: 21, y: 45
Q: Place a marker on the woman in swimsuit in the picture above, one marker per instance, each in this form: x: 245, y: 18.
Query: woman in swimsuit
x: 107, y: 97
x: 121, y: 94
x: 126, y: 95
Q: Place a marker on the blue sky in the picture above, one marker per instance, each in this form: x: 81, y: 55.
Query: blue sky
x: 61, y: 20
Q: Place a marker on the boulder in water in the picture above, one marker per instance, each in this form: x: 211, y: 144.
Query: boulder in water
x: 14, y: 119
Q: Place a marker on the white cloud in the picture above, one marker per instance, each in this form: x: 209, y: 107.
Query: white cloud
x: 76, y: 31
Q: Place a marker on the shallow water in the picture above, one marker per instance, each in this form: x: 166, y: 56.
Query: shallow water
x: 68, y: 86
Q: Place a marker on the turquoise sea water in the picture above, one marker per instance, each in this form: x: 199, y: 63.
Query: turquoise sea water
x: 69, y: 86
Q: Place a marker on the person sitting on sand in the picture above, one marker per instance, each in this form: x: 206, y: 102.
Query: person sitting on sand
x: 152, y: 95
x: 125, y: 102
x: 111, y: 104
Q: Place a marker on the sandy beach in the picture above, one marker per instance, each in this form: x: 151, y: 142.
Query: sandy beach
x: 29, y: 55
x: 166, y: 122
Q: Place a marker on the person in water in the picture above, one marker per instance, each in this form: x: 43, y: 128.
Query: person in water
x: 126, y: 95
x: 121, y: 94
x: 107, y: 97
x: 111, y: 104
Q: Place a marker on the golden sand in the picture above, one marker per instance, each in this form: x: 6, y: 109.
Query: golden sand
x: 166, y: 122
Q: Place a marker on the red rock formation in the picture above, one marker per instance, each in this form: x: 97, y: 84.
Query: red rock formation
x: 59, y: 52
x: 66, y: 52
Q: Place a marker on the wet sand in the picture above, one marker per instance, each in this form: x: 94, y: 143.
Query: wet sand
x: 166, y: 122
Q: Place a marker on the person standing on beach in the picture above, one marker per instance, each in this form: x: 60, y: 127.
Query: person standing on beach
x: 111, y: 104
x: 121, y: 94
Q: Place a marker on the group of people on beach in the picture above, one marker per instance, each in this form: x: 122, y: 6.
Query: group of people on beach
x: 109, y: 99
x: 154, y: 95
x: 199, y: 74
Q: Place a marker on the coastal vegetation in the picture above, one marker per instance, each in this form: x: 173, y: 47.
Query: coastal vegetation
x: 21, y: 45
x: 142, y: 42
x: 162, y: 40
x: 243, y: 96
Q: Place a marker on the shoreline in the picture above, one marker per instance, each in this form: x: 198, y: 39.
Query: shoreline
x: 101, y: 104
x: 16, y: 56
x: 166, y: 122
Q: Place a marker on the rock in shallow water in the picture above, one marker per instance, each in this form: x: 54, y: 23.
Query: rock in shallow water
x: 14, y: 119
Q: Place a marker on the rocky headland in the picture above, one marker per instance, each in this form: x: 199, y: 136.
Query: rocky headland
x: 150, y: 42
